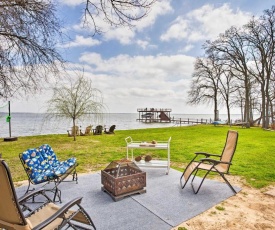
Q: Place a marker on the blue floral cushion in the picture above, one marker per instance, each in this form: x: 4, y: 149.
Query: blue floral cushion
x: 43, y: 164
x: 33, y: 159
x: 49, y: 155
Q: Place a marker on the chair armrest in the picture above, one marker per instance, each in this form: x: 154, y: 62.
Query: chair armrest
x: 213, y: 161
x: 32, y: 194
x: 59, y: 213
x: 207, y: 154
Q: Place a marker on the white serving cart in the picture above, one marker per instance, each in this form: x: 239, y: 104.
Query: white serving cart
x: 131, y: 145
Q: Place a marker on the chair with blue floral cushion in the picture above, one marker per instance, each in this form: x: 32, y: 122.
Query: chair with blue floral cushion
x: 42, y: 166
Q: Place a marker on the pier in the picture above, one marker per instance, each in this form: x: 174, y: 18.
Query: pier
x: 180, y: 121
x: 149, y: 115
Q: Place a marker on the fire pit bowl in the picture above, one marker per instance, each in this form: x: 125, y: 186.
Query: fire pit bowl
x: 123, y: 178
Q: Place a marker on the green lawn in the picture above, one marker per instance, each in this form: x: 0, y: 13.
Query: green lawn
x: 254, y: 158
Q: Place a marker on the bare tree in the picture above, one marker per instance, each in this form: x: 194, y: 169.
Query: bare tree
x: 76, y: 100
x: 205, y: 83
x: 261, y: 42
x: 231, y: 47
x: 227, y: 87
x: 28, y: 34
x: 116, y: 12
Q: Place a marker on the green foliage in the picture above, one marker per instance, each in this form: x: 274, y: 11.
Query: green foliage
x: 254, y: 158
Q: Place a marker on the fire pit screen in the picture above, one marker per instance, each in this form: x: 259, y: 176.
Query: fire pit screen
x: 123, y: 178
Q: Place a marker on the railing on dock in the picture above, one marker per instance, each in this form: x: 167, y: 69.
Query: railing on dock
x: 154, y: 110
x: 180, y: 121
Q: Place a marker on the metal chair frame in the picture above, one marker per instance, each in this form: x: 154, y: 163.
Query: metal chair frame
x: 211, y: 163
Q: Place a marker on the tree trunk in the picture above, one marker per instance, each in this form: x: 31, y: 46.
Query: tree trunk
x: 264, y: 115
x: 74, y: 130
x: 228, y: 113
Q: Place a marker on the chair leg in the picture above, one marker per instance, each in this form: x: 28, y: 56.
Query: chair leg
x: 57, y: 193
x: 208, y: 171
x: 186, y: 180
x: 182, y: 186
x: 75, y: 178
x: 196, y: 191
x: 189, y: 172
x: 227, y: 182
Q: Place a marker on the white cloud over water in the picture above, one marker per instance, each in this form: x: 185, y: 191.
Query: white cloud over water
x: 206, y: 22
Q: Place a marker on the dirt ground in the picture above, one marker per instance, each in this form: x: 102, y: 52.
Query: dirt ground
x: 249, y: 209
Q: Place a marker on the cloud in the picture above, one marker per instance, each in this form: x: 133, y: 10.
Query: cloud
x: 124, y: 35
x: 141, y: 67
x: 159, y: 8
x: 178, y: 30
x: 132, y: 81
x: 81, y: 41
x: 142, y: 44
x: 72, y: 2
x: 187, y: 48
x: 206, y: 22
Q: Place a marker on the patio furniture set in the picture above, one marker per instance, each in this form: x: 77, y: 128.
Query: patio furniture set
x: 119, y: 179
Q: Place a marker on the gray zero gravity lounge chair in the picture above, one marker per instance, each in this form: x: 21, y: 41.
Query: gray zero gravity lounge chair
x: 219, y: 165
x: 19, y: 214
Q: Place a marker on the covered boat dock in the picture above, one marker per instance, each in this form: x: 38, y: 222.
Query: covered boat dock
x: 154, y: 115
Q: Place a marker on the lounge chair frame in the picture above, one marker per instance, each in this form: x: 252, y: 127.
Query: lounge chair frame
x: 20, y: 215
x: 209, y: 164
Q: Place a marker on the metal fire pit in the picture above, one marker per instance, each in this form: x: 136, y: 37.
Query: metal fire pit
x: 123, y: 178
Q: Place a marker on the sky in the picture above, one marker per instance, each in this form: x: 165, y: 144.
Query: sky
x: 151, y: 64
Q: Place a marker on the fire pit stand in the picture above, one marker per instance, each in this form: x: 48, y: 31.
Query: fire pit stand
x: 123, y: 178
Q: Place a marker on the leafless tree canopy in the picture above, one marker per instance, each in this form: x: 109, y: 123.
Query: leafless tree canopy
x: 116, y: 12
x: 28, y: 33
x: 75, y: 99
x: 247, y: 56
x: 205, y: 82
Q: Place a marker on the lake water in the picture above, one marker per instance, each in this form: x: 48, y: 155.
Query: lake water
x: 30, y: 124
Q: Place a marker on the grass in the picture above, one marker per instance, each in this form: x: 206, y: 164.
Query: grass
x: 254, y: 159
